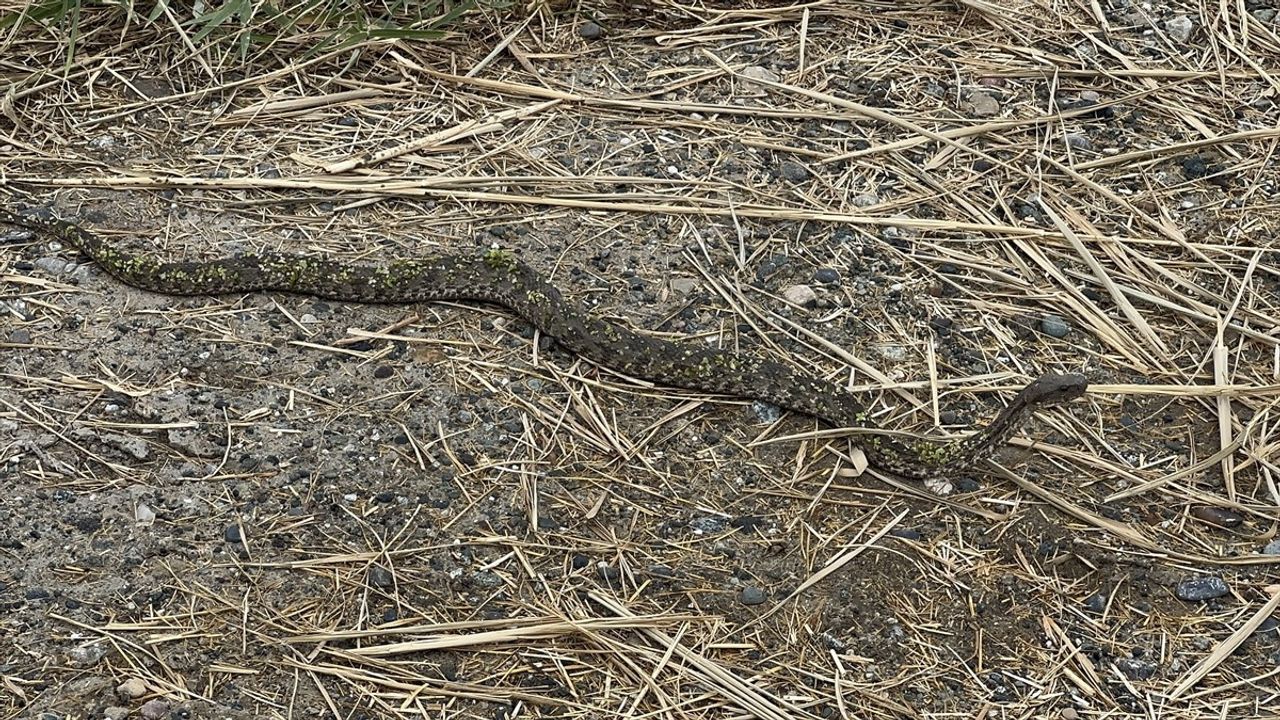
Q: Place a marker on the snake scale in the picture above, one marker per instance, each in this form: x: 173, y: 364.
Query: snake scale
x: 498, y: 277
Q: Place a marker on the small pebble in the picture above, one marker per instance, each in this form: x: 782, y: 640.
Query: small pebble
x: 1055, y: 326
x: 132, y: 688
x: 484, y: 578
x: 983, y: 105
x: 155, y: 709
x: 683, y: 286
x: 143, y: 514
x: 707, y: 525
x: 86, y: 655
x: 21, y: 336
x: 1201, y: 588
x: 115, y: 712
x: 1180, y: 28
x: 752, y: 595
x: 1195, y: 167
x: 381, y: 577
x: 382, y: 372
x: 590, y: 30
x: 800, y: 295
x: 794, y: 172
x: 52, y: 265
x: 1272, y: 548
x: 232, y: 534
x: 1096, y: 602
x: 1079, y: 142
x: 1135, y: 669
x: 1217, y: 516
x: 756, y: 72
x: 866, y: 200
x: 827, y: 276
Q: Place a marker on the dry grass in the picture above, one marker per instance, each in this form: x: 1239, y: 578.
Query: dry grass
x: 659, y: 149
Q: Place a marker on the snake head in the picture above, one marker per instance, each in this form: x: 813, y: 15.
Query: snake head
x: 1055, y: 388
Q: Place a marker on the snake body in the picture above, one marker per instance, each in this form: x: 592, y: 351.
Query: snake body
x: 500, y: 278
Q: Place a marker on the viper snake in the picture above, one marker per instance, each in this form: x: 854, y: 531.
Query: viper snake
x: 498, y: 277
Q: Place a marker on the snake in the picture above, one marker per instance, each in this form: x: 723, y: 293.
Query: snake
x: 499, y: 277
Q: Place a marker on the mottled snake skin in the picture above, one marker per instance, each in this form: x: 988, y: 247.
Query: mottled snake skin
x: 498, y: 277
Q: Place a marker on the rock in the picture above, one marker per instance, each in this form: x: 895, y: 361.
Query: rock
x: 866, y: 200
x: 707, y: 525
x: 1079, y: 142
x: 132, y: 689
x: 381, y: 577
x: 1217, y: 516
x: 484, y: 578
x: 1055, y: 326
x: 155, y: 709
x: 1180, y: 28
x: 826, y: 276
x: 143, y: 514
x: 21, y: 336
x: 752, y: 595
x: 1201, y: 588
x: 800, y: 296
x: 1195, y: 166
x: 756, y: 72
x: 115, y: 712
x: 983, y: 105
x: 232, y: 534
x: 1272, y: 548
x: 794, y: 171
x: 86, y: 655
x: 590, y: 30
x: 1096, y: 603
x: 52, y: 265
x: 682, y: 286
x: 1136, y: 669
x: 894, y: 353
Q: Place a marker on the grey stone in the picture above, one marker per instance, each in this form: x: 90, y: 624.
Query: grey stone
x: 1202, y: 588
x: 1055, y: 326
x: 800, y: 296
x: 983, y: 105
x: 1180, y: 28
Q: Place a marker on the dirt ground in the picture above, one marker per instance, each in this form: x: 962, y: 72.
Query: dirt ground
x: 273, y: 506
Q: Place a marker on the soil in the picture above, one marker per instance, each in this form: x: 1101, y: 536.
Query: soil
x: 277, y: 506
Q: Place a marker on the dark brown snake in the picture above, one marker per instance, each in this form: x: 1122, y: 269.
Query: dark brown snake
x: 498, y: 277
